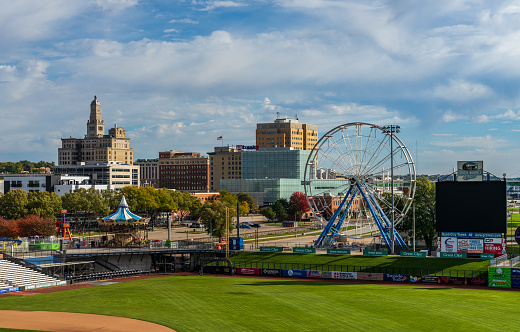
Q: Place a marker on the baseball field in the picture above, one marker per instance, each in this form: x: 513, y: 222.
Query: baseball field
x: 210, y: 303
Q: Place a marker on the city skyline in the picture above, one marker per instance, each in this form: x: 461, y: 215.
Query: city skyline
x: 179, y: 75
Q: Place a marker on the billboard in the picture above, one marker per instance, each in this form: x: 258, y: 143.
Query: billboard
x: 469, y: 171
x: 477, y: 207
x: 499, y: 277
x: 248, y: 271
x: 495, y: 246
x: 449, y: 244
x: 475, y: 246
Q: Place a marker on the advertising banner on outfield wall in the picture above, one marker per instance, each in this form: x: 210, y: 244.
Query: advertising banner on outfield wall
x: 430, y: 279
x: 271, y: 272
x: 475, y: 246
x: 452, y: 280
x: 370, y: 276
x: 295, y: 273
x: 248, y: 271
x: 396, y: 277
x: 416, y: 279
x: 462, y: 245
x: 477, y: 281
x: 499, y: 277
x: 515, y: 278
x: 9, y: 290
x: 314, y: 274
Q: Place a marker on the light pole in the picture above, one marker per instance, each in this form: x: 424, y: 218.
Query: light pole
x: 391, y: 129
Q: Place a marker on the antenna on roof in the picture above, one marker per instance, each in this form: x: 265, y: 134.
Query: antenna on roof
x: 296, y: 116
x: 277, y: 115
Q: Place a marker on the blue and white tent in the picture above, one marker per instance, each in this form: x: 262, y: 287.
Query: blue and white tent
x: 123, y: 216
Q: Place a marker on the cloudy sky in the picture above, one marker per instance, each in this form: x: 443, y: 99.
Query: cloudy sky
x: 178, y: 74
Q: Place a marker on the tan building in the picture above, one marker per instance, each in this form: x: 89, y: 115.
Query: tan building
x: 286, y: 133
x: 224, y: 163
x: 96, y: 146
x: 183, y: 171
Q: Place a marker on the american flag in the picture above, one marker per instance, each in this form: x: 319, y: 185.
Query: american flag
x: 219, y: 138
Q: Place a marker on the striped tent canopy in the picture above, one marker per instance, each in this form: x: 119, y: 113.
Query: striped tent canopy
x: 123, y: 216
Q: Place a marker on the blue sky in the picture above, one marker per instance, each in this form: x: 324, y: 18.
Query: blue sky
x: 178, y: 74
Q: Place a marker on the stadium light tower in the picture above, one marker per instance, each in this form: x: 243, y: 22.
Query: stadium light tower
x: 390, y: 130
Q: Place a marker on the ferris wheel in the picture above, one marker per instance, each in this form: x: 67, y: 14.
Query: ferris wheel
x: 360, y: 173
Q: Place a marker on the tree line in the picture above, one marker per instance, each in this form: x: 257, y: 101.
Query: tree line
x: 19, y: 166
x: 19, y: 208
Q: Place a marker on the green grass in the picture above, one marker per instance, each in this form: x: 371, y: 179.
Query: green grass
x: 194, y: 303
x: 390, y: 264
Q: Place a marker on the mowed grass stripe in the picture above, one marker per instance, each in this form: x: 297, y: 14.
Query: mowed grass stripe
x: 206, y: 303
x: 359, y: 263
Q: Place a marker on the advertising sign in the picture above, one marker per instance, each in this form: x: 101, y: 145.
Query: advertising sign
x: 247, y: 147
x: 370, y: 276
x: 348, y: 275
x: 477, y: 281
x: 338, y: 251
x: 487, y: 256
x: 462, y: 245
x: 248, y: 271
x: 375, y: 253
x: 304, y: 250
x: 453, y: 255
x: 416, y: 279
x: 470, y: 235
x: 9, y: 290
x: 517, y: 235
x: 327, y: 274
x: 452, y: 280
x: 396, y: 277
x: 294, y: 273
x: 448, y: 244
x: 271, y: 272
x: 469, y: 171
x: 515, y: 278
x: 430, y: 279
x: 413, y: 254
x: 499, y: 277
x: 475, y: 246
x: 271, y: 249
x: 494, y: 245
x: 314, y: 274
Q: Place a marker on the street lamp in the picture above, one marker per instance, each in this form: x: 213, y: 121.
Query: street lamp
x: 391, y: 129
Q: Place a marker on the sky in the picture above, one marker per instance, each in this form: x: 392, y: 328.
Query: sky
x: 178, y: 74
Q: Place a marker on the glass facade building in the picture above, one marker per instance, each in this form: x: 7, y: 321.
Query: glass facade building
x: 273, y: 173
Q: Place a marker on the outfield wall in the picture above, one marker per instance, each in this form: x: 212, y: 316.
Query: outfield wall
x: 341, y: 275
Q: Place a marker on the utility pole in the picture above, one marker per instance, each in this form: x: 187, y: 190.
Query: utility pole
x: 391, y: 129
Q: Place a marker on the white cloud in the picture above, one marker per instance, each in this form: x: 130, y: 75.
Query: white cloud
x: 450, y: 116
x: 116, y: 5
x: 170, y: 30
x: 460, y: 90
x: 509, y: 115
x: 184, y: 20
x: 482, y: 142
x: 212, y: 5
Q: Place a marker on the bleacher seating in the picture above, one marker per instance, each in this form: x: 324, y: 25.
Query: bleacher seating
x: 109, y: 275
x: 15, y: 275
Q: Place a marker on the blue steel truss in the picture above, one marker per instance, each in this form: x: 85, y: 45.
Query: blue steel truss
x: 382, y: 222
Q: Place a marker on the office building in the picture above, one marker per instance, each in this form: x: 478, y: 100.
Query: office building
x: 183, y: 171
x: 225, y: 163
x: 286, y: 132
x: 96, y: 146
x: 149, y: 172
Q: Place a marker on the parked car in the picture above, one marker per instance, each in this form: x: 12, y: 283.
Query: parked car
x: 244, y: 226
x: 196, y: 225
x: 256, y: 225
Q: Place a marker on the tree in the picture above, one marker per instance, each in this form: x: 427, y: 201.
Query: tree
x: 280, y: 208
x: 228, y: 198
x: 9, y: 229
x: 43, y: 204
x: 298, y: 204
x: 268, y: 212
x: 425, y: 217
x: 213, y: 216
x: 32, y: 225
x: 13, y: 204
x: 77, y: 202
x: 252, y: 203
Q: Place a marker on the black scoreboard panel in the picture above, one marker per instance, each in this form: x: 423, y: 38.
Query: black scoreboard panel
x: 478, y: 207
